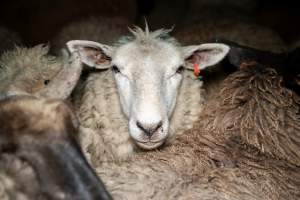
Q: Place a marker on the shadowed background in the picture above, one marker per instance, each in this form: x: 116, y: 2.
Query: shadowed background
x: 37, y: 21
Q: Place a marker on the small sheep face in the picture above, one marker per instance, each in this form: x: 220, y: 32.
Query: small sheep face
x: 33, y: 72
x: 148, y: 71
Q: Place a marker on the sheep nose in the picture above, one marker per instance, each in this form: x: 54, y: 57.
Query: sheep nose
x: 149, y: 129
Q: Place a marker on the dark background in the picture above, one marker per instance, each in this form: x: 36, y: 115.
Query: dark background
x: 37, y: 21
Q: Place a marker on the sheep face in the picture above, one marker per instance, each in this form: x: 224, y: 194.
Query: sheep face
x: 31, y: 71
x: 148, y: 71
x: 148, y: 79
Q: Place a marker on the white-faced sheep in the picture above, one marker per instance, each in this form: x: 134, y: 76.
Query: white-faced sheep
x: 216, y: 159
x: 8, y: 39
x: 100, y: 87
x: 31, y: 71
x: 136, y: 102
x: 39, y: 155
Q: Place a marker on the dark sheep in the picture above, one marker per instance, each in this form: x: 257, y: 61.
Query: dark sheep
x: 39, y: 156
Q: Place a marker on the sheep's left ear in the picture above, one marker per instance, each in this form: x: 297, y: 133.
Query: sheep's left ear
x: 204, y: 55
x: 91, y: 53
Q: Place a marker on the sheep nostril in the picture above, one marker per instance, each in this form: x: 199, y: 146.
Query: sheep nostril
x: 149, y: 129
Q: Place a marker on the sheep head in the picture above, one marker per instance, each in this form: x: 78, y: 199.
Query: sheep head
x: 33, y: 72
x: 148, y: 70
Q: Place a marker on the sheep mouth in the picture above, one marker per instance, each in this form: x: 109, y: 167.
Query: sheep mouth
x: 149, y: 145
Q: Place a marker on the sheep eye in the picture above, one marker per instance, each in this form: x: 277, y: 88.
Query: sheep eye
x: 115, y: 69
x: 180, y: 70
x: 46, y: 82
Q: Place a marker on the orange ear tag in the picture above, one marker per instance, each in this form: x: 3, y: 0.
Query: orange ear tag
x: 196, y: 69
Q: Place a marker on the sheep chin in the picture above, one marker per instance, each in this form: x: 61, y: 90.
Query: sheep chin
x: 149, y: 145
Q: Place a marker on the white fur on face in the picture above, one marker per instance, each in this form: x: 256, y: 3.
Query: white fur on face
x: 148, y: 83
x: 148, y: 74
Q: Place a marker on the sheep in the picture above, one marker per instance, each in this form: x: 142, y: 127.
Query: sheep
x: 31, y: 71
x: 244, y: 145
x: 39, y: 155
x: 100, y: 29
x: 8, y: 39
x: 130, y: 99
x: 284, y: 64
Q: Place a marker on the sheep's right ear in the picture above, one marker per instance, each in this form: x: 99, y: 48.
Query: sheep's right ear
x: 92, y: 53
x: 205, y: 54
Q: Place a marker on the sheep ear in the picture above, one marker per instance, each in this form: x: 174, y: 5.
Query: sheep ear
x: 92, y: 53
x: 204, y: 55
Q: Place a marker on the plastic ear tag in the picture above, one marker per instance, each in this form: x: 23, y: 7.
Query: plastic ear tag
x: 196, y: 69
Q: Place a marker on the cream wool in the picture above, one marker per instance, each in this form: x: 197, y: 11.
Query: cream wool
x: 27, y: 68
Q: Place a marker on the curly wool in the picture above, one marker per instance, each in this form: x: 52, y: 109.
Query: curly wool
x: 266, y: 114
x: 214, y: 160
x: 28, y: 127
x: 26, y: 69
x: 19, y: 180
x: 13, y: 168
